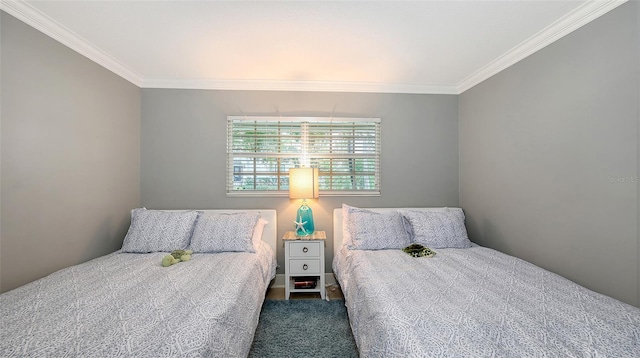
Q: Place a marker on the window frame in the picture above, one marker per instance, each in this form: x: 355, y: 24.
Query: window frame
x: 306, y: 158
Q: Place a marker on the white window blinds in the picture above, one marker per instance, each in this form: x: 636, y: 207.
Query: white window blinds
x: 261, y: 150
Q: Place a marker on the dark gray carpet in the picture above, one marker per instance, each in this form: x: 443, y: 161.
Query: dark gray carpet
x: 303, y: 328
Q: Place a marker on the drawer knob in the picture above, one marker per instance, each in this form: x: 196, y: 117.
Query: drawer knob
x: 305, y: 249
x: 305, y: 266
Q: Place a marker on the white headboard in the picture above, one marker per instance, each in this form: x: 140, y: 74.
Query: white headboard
x: 270, y: 233
x: 338, y: 222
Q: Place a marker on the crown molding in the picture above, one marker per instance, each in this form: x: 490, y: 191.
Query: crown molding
x: 28, y: 14
x: 33, y: 17
x: 579, y: 17
x: 572, y: 21
x: 301, y: 86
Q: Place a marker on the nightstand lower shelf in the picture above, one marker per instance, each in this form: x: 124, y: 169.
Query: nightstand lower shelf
x: 291, y: 287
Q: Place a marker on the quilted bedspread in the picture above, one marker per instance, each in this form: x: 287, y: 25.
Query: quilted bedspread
x: 128, y: 305
x: 477, y: 302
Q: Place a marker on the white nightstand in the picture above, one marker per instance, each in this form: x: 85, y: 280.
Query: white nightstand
x: 304, y: 262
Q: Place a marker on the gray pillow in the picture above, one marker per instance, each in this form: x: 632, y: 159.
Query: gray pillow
x: 371, y: 230
x: 224, y: 232
x: 158, y: 231
x: 438, y: 229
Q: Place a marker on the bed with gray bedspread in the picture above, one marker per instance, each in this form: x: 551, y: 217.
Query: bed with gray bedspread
x: 477, y: 302
x: 127, y: 304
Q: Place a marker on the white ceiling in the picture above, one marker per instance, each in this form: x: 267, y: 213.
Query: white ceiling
x: 361, y: 46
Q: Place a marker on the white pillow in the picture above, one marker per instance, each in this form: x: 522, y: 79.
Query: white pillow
x: 258, y: 229
x: 224, y: 232
x: 158, y: 231
x: 438, y: 229
x: 370, y: 230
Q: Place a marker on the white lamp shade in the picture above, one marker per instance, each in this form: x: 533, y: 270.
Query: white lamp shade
x: 303, y: 183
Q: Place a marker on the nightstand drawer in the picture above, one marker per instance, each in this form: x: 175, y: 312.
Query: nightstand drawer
x: 304, y: 249
x: 304, y: 267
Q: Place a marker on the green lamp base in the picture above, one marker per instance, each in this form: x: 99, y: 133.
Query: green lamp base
x: 304, y: 220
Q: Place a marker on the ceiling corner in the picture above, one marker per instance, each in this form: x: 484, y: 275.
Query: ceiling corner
x: 26, y: 13
x: 563, y: 26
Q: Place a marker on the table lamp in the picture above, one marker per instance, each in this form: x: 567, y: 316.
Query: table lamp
x: 303, y: 184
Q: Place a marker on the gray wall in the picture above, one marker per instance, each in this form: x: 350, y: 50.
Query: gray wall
x: 184, y: 145
x: 70, y: 156
x: 549, y: 157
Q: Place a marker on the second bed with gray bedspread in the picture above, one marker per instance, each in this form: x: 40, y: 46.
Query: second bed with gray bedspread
x: 477, y: 302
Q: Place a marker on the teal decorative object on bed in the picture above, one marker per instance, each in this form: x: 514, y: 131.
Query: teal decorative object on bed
x: 176, y: 256
x: 417, y: 250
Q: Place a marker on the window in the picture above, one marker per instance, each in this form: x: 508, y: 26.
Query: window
x: 261, y: 150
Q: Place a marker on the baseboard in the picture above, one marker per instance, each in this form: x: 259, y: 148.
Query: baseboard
x: 278, y: 282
